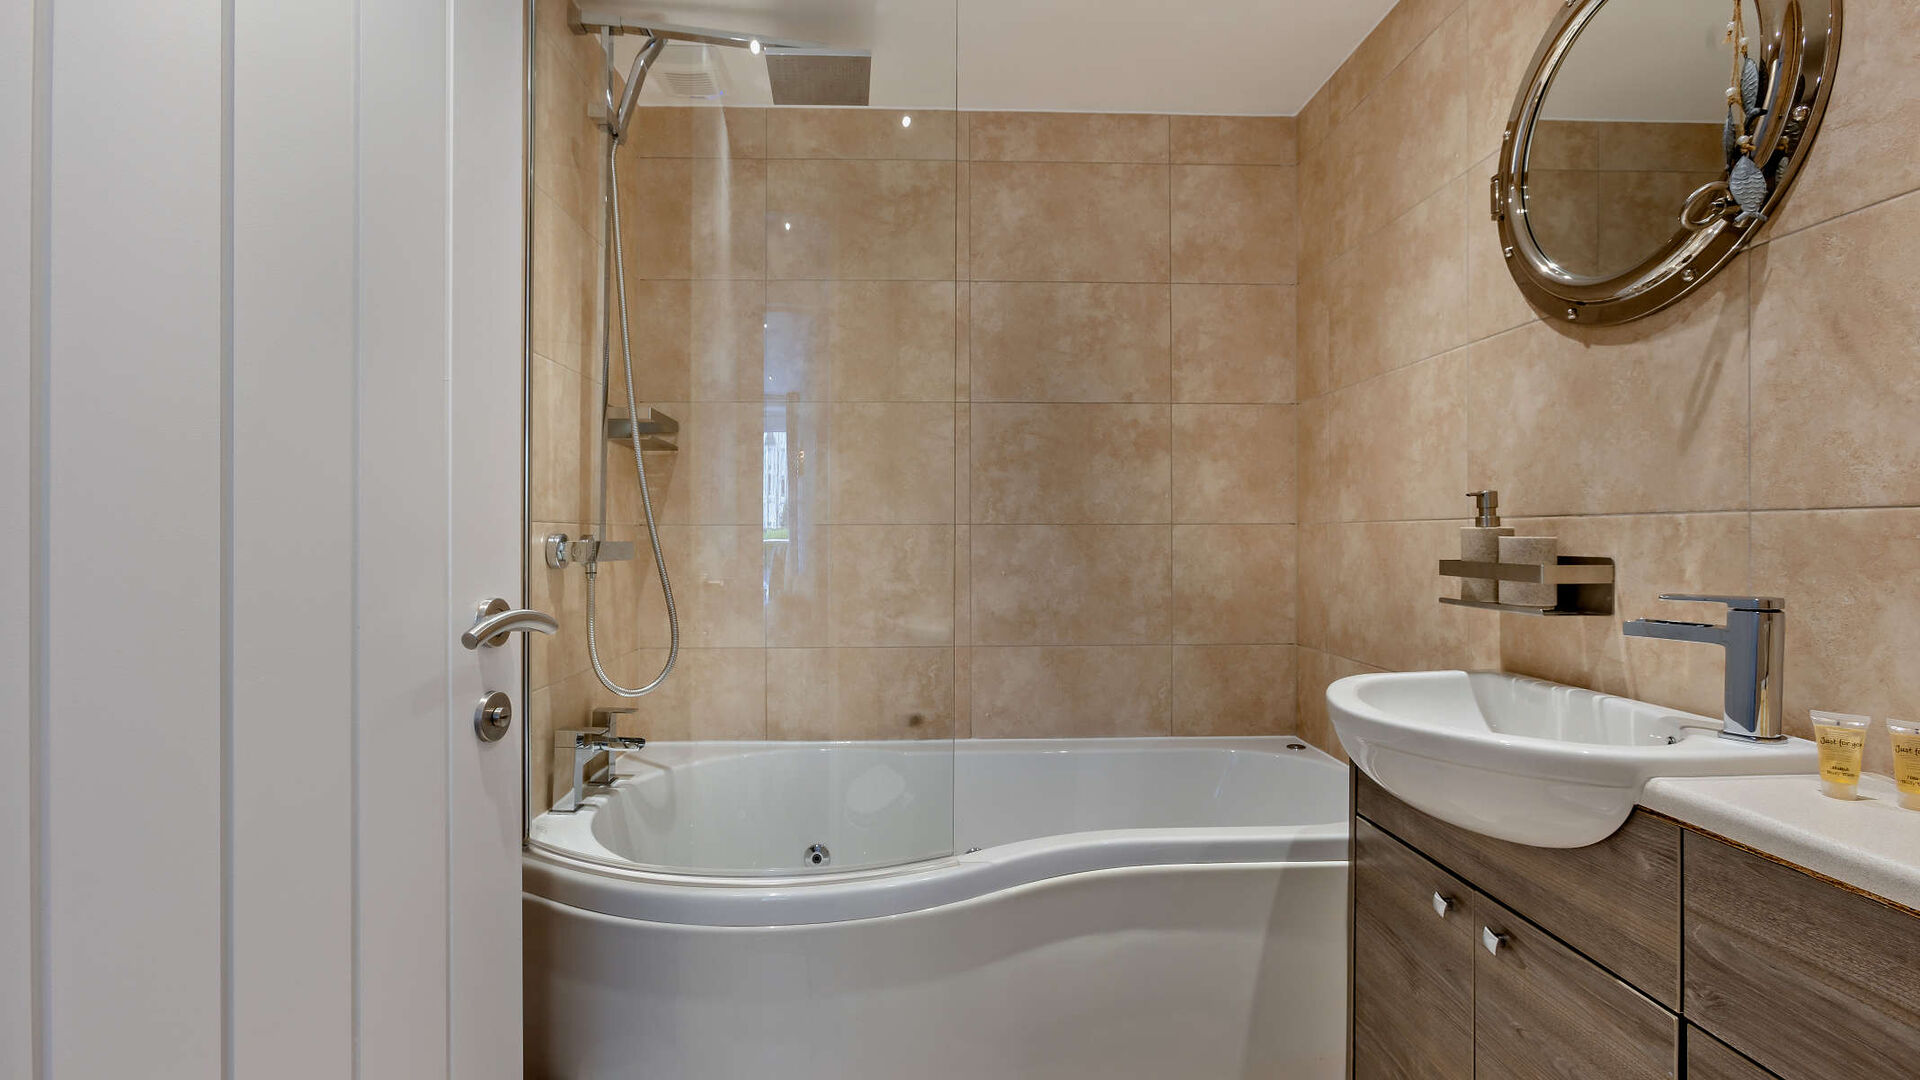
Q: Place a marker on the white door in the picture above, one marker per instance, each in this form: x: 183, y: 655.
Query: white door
x: 260, y: 410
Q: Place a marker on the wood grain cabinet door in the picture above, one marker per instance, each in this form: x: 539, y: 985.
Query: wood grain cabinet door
x: 1544, y: 1012
x: 1710, y: 1059
x: 1808, y: 979
x: 1412, y: 964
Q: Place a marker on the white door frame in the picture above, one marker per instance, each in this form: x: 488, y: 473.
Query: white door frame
x: 259, y: 451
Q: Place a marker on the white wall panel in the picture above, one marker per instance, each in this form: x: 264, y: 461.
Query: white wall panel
x: 135, y: 339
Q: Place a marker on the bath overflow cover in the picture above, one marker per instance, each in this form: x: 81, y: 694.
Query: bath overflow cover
x: 818, y: 855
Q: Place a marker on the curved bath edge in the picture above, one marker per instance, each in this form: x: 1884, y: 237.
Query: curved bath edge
x: 711, y: 901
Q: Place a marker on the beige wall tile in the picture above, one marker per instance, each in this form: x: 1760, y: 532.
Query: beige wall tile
x: 696, y: 131
x: 1648, y: 416
x: 1234, y: 463
x: 1400, y: 295
x: 1069, y: 464
x: 1852, y: 583
x: 1400, y: 32
x: 860, y: 219
x: 566, y: 288
x: 963, y: 585
x: 1313, y: 370
x: 726, y: 343
x: 1069, y: 222
x: 1040, y: 693
x: 1233, y: 344
x: 562, y: 594
x: 877, y: 340
x: 722, y: 446
x: 662, y: 330
x: 1504, y: 35
x: 834, y: 694
x: 963, y: 693
x: 1233, y: 584
x: 711, y: 694
x: 1836, y: 373
x: 564, y: 461
x: 1317, y: 671
x: 1398, y: 446
x: 1034, y: 341
x: 1233, y: 690
x: 670, y: 478
x: 1318, y: 491
x: 716, y: 574
x: 1050, y: 136
x: 1381, y: 605
x: 1315, y: 586
x: 694, y: 218
x: 1070, y: 584
x: 893, y: 463
x: 1653, y: 554
x: 1863, y: 150
x: 891, y: 585
x: 1494, y: 302
x: 1234, y: 223
x: 1412, y: 131
x: 861, y: 133
x: 796, y: 572
x: 1233, y: 140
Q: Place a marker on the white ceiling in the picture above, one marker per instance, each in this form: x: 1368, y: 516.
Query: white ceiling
x: 1264, y: 57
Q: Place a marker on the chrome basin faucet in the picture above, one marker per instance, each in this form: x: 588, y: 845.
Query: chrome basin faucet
x: 1755, y: 639
x: 583, y: 758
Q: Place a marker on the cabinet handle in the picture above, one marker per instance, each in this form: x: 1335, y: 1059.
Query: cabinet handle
x: 1442, y: 905
x: 1491, y: 940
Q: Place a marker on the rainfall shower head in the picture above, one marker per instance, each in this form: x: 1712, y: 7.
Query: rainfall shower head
x: 799, y: 72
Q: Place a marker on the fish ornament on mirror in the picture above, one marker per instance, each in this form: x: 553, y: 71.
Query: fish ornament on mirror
x: 1746, y: 182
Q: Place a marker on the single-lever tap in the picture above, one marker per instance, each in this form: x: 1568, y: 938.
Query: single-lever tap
x: 583, y: 757
x: 1755, y: 639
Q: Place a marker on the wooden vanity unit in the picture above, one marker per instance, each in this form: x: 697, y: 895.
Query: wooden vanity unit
x: 1660, y: 952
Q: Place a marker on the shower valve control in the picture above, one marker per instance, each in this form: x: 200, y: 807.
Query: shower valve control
x: 585, y: 551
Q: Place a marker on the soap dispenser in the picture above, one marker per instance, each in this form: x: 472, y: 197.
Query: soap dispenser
x: 1480, y: 542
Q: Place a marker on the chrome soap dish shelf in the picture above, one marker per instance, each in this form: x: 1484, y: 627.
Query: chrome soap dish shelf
x: 1585, y: 584
x: 657, y: 432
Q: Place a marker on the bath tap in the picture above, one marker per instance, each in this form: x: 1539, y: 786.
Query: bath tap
x: 1755, y: 639
x: 583, y: 757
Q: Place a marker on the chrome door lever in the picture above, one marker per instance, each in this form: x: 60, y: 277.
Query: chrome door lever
x: 496, y: 619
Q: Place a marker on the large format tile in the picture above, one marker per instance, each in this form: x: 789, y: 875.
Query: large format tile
x: 1504, y: 35
x: 1317, y: 671
x: 1233, y: 690
x: 1233, y: 584
x: 1405, y: 26
x: 1380, y: 587
x: 1037, y: 693
x: 1051, y: 136
x: 836, y: 694
x: 1233, y: 140
x: 1034, y: 341
x: 1648, y: 416
x: 864, y: 340
x: 700, y: 131
x: 565, y: 290
x: 1234, y: 223
x: 1233, y: 344
x: 1851, y: 579
x: 1069, y: 464
x: 1234, y: 463
x: 860, y: 219
x: 891, y: 585
x: 564, y: 459
x: 694, y: 218
x: 710, y: 694
x: 1069, y: 222
x: 1070, y: 584
x: 1401, y: 294
x: 893, y: 463
x: 1836, y: 373
x: 928, y: 134
x: 1398, y: 446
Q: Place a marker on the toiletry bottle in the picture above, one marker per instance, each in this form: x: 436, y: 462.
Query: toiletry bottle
x: 1841, y: 738
x: 1906, y: 761
x: 1480, y: 542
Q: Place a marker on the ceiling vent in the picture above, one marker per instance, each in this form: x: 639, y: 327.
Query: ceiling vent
x: 690, y: 72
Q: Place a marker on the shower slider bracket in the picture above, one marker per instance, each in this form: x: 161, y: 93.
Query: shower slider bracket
x: 586, y: 550
x: 655, y: 433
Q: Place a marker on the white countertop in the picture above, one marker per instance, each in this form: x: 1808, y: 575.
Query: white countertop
x: 1870, y: 843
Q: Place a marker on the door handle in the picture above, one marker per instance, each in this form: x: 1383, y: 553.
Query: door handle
x: 496, y: 618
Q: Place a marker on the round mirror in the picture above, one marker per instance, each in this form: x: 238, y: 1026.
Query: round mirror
x: 1650, y: 140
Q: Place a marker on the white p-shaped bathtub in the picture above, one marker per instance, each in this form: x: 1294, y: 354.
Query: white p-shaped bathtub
x: 1116, y: 908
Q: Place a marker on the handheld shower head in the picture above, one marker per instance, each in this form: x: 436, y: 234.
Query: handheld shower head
x: 618, y: 114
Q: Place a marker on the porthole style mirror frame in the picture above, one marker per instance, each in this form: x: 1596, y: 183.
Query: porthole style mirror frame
x: 1796, y: 47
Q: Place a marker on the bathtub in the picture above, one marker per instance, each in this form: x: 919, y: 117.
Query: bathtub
x: 990, y: 908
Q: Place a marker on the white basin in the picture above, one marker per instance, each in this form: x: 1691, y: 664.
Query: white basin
x: 1531, y: 761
